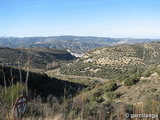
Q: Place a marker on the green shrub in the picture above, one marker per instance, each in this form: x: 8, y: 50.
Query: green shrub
x: 112, y: 95
x: 12, y: 93
x: 130, y: 81
x: 146, y: 73
x: 153, y: 90
x: 98, y: 93
x: 110, y: 87
x: 94, y: 98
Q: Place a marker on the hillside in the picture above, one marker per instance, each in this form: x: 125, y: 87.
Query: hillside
x: 115, y: 61
x: 40, y: 58
x: 130, y: 78
x: 38, y: 82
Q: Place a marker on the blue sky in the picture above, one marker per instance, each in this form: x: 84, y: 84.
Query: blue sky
x: 104, y: 18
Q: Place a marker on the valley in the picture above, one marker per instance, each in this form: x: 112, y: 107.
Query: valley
x: 101, y: 84
x: 80, y: 60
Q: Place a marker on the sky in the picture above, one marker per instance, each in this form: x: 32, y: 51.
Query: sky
x: 103, y: 18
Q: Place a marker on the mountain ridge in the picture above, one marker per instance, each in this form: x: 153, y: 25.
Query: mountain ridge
x: 74, y: 43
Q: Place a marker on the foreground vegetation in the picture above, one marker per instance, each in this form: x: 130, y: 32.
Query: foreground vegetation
x: 58, y: 100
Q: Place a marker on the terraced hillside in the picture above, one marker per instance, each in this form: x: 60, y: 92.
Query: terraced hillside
x: 115, y: 61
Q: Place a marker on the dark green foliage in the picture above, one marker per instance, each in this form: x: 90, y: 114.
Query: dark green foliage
x: 98, y: 93
x: 130, y: 81
x: 112, y: 95
x: 96, y: 96
x: 12, y: 93
x: 110, y: 87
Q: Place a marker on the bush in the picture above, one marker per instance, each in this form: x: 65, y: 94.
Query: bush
x: 8, y: 96
x: 153, y: 90
x: 130, y: 81
x: 112, y: 95
x: 98, y: 93
x: 146, y: 73
x: 110, y: 87
x: 12, y: 93
x: 94, y: 98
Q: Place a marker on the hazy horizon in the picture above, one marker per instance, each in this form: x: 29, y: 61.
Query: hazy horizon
x: 111, y: 18
x: 80, y: 36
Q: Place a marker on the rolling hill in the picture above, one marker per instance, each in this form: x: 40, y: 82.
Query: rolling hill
x: 40, y: 58
x: 114, y: 61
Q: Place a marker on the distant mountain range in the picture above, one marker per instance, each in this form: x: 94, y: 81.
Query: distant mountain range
x: 74, y: 43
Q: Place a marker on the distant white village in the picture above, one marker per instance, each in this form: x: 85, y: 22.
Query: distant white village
x: 78, y: 55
